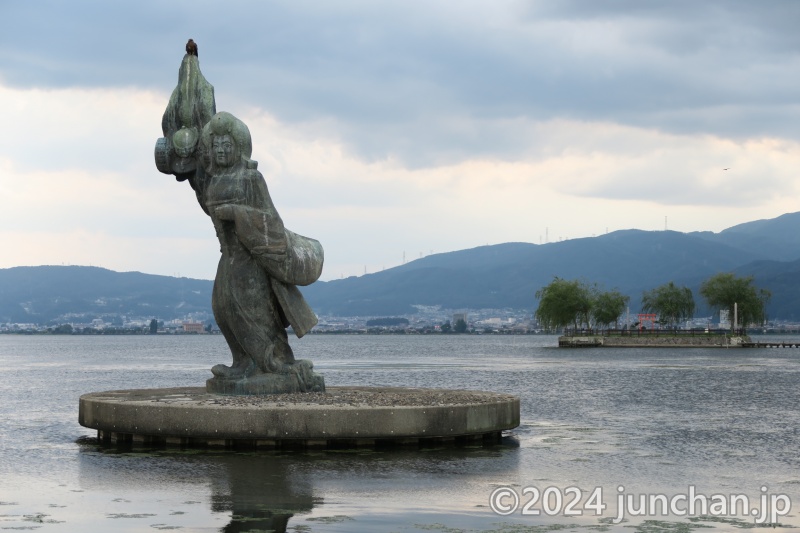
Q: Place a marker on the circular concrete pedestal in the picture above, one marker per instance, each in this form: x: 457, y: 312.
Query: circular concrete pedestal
x: 339, y: 417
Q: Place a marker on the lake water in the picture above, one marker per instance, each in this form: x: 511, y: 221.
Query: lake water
x: 656, y: 422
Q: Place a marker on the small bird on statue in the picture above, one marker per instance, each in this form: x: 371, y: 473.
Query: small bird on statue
x: 191, y: 48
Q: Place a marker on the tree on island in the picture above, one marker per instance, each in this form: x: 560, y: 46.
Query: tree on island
x: 671, y: 303
x: 446, y: 327
x: 722, y: 291
x: 574, y: 303
x: 460, y: 326
x: 607, y: 307
x: 563, y: 303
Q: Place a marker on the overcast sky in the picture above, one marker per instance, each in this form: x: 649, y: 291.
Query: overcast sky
x: 392, y: 129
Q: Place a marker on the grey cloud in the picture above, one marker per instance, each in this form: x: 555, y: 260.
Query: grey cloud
x: 679, y: 185
x: 393, y: 77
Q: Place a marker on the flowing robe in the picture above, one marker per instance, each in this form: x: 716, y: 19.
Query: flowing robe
x: 255, y: 295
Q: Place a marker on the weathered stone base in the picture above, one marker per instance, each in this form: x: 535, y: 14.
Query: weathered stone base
x: 490, y: 438
x: 302, y: 378
x: 343, y: 417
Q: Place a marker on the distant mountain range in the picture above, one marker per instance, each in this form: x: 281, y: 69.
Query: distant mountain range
x: 499, y: 276
x: 44, y: 294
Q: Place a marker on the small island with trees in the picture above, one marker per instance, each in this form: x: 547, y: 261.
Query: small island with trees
x: 590, y: 316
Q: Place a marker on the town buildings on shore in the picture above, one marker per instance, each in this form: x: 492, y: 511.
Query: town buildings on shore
x: 427, y: 320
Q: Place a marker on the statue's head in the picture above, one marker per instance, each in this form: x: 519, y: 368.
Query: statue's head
x: 184, y: 144
x: 184, y: 141
x: 226, y: 141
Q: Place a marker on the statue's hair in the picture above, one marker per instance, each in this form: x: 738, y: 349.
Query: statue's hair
x: 224, y: 123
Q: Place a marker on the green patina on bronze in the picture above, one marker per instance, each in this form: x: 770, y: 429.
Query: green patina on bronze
x: 255, y: 296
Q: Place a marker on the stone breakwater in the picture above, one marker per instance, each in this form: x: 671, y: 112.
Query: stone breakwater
x: 654, y: 341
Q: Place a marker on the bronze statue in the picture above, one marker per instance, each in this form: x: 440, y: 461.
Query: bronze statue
x: 255, y: 294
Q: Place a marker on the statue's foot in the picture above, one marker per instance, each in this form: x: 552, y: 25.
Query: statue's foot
x: 221, y: 371
x: 233, y: 372
x: 297, y: 377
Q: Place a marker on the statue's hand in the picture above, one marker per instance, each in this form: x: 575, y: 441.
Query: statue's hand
x: 226, y: 212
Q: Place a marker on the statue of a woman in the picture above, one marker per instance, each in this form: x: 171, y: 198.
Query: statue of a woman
x: 255, y: 292
x: 255, y: 295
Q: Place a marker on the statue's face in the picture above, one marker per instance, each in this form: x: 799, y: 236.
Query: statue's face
x: 184, y: 151
x: 224, y: 150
